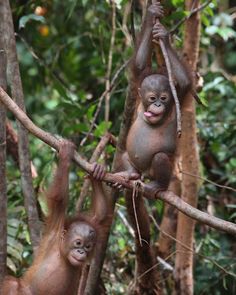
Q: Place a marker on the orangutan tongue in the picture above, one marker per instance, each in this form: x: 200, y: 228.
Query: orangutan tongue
x: 148, y: 114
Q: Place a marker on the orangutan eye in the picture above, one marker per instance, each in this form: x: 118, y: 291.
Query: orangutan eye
x: 152, y: 98
x: 88, y: 247
x: 78, y: 243
x: 163, y: 97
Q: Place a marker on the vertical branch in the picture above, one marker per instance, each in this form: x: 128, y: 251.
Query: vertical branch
x: 190, y: 160
x: 23, y: 148
x: 3, y: 184
x: 112, y: 195
x: 109, y: 65
x: 95, y: 156
x: 169, y: 223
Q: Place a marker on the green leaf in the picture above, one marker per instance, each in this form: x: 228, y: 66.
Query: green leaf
x: 11, y: 265
x: 211, y: 30
x: 226, y: 33
x: 90, y: 112
x: 25, y: 19
x: 14, y: 253
x: 233, y: 162
x: 102, y: 128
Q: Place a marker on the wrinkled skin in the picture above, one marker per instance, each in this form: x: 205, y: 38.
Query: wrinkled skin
x: 79, y: 243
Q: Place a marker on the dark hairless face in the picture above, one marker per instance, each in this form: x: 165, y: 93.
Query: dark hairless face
x: 79, y: 243
x: 156, y: 98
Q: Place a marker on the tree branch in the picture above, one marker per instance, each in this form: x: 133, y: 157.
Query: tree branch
x: 101, y: 98
x: 166, y: 196
x: 3, y: 181
x: 192, y: 12
x: 95, y: 156
x: 23, y: 144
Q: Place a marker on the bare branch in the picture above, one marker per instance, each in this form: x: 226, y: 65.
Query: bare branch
x: 109, y: 64
x: 166, y: 196
x: 3, y: 182
x: 101, y: 98
x: 171, y: 81
x: 95, y: 156
x: 210, y: 181
x: 192, y: 12
x: 190, y: 249
x: 23, y: 146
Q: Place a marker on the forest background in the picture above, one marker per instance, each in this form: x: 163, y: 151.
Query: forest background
x: 70, y: 52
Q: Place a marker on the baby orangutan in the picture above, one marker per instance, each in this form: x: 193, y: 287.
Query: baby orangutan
x: 151, y: 140
x: 67, y: 243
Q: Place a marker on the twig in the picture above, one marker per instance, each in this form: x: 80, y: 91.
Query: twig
x: 191, y: 250
x: 155, y: 265
x: 101, y: 100
x: 109, y: 65
x: 42, y: 63
x: 132, y: 22
x: 3, y: 181
x: 171, y: 81
x: 95, y: 156
x: 134, y: 196
x: 23, y: 145
x: 208, y: 180
x: 166, y: 196
x: 126, y: 223
x: 193, y: 11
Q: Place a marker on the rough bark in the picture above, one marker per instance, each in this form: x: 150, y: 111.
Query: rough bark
x: 97, y: 262
x: 190, y: 161
x: 146, y: 281
x: 12, y: 142
x: 169, y: 223
x: 108, y: 137
x: 166, y: 196
x: 3, y: 183
x: 23, y: 146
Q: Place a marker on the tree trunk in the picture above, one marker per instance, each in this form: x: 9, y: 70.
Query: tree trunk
x: 146, y: 281
x: 23, y: 146
x: 3, y: 184
x: 97, y: 261
x: 190, y: 161
x: 169, y: 223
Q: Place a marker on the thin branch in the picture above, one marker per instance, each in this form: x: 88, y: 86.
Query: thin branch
x: 109, y: 65
x: 192, y: 12
x: 155, y: 265
x: 166, y: 196
x: 172, y: 86
x: 132, y: 21
x: 3, y: 181
x: 47, y: 66
x: 191, y: 250
x: 126, y: 223
x: 23, y: 146
x: 95, y: 156
x: 134, y: 196
x: 171, y: 81
x: 101, y: 98
x: 12, y: 147
x: 208, y: 180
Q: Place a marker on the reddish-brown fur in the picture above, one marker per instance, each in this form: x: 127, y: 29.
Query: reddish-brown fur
x: 151, y: 140
x: 67, y: 243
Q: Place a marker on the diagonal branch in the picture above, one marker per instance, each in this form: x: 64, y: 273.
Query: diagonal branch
x: 108, y: 137
x: 192, y: 12
x: 166, y: 196
x: 101, y: 98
